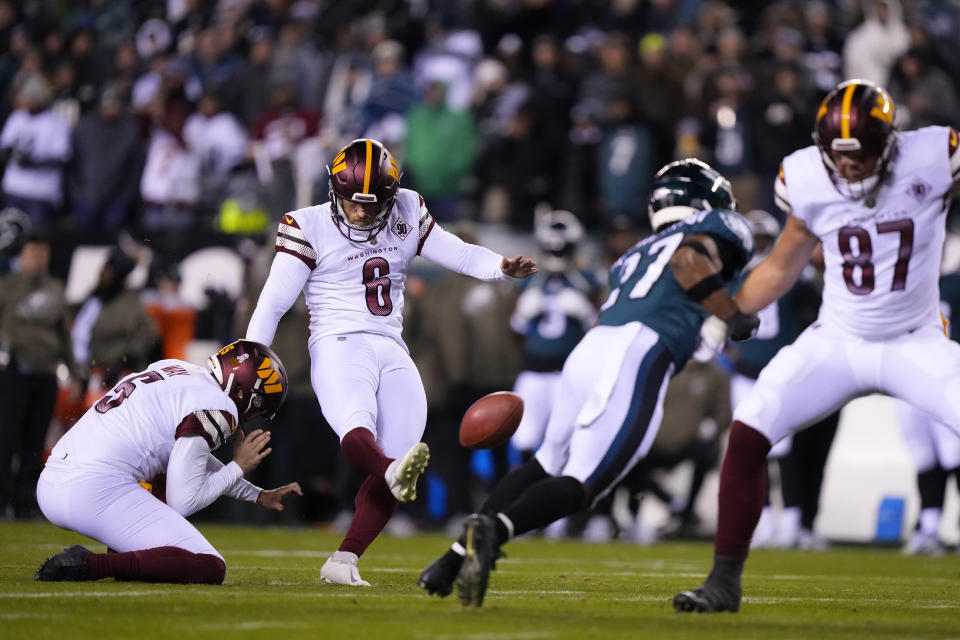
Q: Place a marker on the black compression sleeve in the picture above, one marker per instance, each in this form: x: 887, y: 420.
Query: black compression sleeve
x: 731, y: 257
x: 702, y: 290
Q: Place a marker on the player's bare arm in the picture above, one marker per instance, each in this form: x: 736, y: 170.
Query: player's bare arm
x: 698, y: 268
x: 776, y: 274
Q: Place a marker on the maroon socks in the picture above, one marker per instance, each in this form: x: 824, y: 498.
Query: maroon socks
x: 160, y: 564
x: 363, y: 454
x: 375, y: 506
x: 743, y: 482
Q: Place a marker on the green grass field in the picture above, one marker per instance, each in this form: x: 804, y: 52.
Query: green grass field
x: 543, y: 590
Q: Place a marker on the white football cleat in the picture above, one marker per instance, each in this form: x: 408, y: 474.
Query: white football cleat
x: 341, y: 568
x: 402, y: 474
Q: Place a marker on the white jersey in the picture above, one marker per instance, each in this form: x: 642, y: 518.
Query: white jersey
x: 132, y: 429
x: 882, y: 263
x: 43, y: 137
x: 356, y: 286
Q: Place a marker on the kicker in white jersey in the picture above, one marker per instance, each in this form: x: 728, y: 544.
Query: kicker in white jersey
x: 356, y: 286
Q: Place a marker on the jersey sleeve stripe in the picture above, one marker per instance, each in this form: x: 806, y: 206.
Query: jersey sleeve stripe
x: 297, y: 240
x: 291, y: 239
x: 191, y: 426
x: 214, y: 424
x: 425, y: 230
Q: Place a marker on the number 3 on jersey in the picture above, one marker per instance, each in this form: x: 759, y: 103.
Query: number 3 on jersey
x: 377, y: 284
x: 861, y: 259
x: 661, y: 251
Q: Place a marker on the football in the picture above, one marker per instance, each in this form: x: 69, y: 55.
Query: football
x: 491, y: 420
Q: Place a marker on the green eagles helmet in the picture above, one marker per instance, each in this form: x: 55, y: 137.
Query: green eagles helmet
x: 685, y: 187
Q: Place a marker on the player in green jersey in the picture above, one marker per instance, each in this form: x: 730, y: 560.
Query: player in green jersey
x: 611, y: 391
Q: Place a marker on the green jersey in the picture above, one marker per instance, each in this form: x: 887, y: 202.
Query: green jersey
x: 644, y: 289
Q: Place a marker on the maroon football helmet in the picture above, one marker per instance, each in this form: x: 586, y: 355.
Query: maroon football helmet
x: 253, y: 376
x: 857, y: 120
x: 366, y: 173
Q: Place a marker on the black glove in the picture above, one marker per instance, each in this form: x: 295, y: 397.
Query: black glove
x: 742, y: 327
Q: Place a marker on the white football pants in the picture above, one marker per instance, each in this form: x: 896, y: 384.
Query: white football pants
x: 609, y: 406
x: 115, y: 510
x: 740, y: 386
x: 825, y: 368
x: 368, y: 380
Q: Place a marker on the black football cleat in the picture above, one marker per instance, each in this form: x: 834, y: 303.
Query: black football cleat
x: 482, y: 550
x: 439, y: 576
x: 707, y: 599
x: 70, y: 565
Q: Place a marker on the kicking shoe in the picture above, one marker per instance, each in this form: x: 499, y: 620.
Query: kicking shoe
x: 482, y: 550
x: 708, y: 599
x: 70, y: 565
x: 439, y: 576
x: 402, y: 475
x: 341, y: 568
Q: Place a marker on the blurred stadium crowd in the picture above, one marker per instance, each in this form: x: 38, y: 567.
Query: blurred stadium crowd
x: 145, y: 141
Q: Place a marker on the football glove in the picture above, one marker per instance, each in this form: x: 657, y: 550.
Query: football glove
x: 742, y: 326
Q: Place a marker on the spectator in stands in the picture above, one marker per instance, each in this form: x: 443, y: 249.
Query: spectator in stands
x: 782, y: 125
x: 924, y: 93
x: 113, y: 334
x: 11, y: 59
x: 91, y: 70
x: 872, y: 48
x: 517, y: 171
x: 108, y: 157
x: 36, y: 144
x: 728, y: 131
x: 439, y: 177
x: 34, y: 340
x: 664, y: 107
x: 626, y: 161
x: 249, y: 90
x: 218, y: 140
x: 391, y: 86
x: 170, y: 184
x: 214, y: 63
x: 277, y: 134
x: 822, y: 59
x: 125, y: 66
x: 294, y: 53
x: 616, y: 76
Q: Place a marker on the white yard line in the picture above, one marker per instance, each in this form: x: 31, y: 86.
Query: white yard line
x: 520, y: 635
x: 84, y: 594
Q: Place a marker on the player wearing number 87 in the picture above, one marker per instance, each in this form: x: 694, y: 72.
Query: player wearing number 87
x: 165, y: 419
x: 349, y: 257
x: 609, y: 402
x: 877, y: 200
